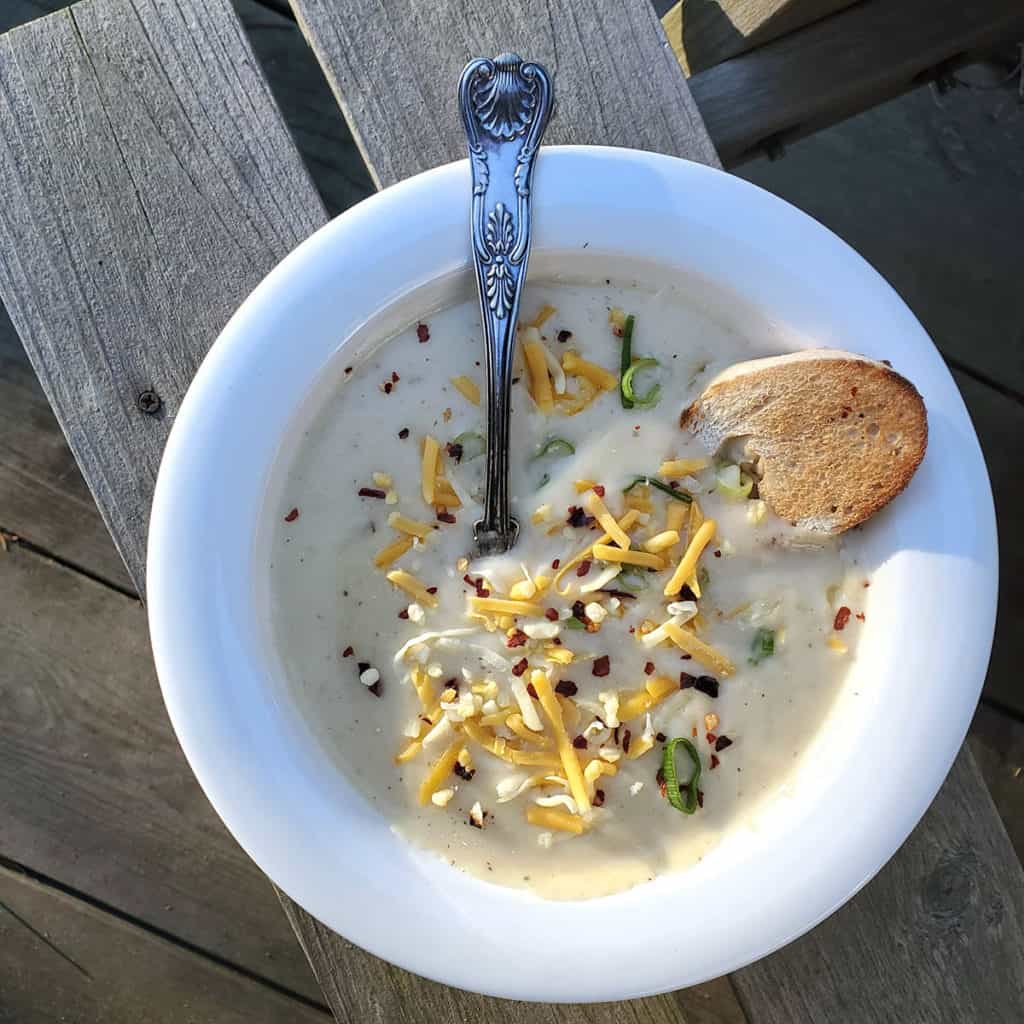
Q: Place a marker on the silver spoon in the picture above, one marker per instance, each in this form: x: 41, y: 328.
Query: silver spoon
x: 505, y: 106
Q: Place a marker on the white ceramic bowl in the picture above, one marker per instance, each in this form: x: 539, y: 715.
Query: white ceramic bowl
x: 862, y: 786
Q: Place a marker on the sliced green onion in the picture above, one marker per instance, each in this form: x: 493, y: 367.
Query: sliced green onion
x: 555, y: 446
x: 703, y: 576
x: 762, y: 647
x: 668, y: 770
x: 473, y: 444
x: 626, y: 361
x: 731, y: 481
x: 632, y: 581
x: 656, y: 483
x: 544, y: 481
x: 575, y: 623
x: 644, y: 401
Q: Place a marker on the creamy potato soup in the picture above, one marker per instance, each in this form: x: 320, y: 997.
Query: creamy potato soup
x: 636, y: 677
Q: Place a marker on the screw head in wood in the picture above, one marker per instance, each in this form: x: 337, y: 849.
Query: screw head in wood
x: 149, y: 402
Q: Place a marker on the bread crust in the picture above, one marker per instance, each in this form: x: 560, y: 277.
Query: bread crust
x: 834, y: 436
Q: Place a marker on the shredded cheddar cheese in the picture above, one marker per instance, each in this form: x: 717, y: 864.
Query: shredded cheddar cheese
x: 545, y: 313
x: 468, y: 388
x: 676, y: 517
x: 595, y: 505
x: 444, y: 494
x: 601, y: 378
x: 428, y: 470
x: 559, y: 654
x: 627, y: 522
x: 501, y: 605
x: 697, y: 648
x: 570, y: 404
x: 555, y: 818
x: 537, y: 367
x: 412, y: 586
x: 392, y: 552
x: 496, y: 745
x: 539, y: 758
x: 441, y: 770
x: 642, y: 558
x: 566, y: 751
x: 661, y: 541
x: 636, y: 703
x: 676, y: 469
x: 413, y: 527
x: 518, y: 726
x: 688, y: 563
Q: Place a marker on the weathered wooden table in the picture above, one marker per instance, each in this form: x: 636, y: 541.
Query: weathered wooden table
x: 149, y: 183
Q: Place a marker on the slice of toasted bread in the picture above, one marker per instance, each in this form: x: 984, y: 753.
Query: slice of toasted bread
x: 833, y: 436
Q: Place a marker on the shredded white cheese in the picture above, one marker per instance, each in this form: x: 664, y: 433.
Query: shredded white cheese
x: 442, y: 731
x: 511, y: 786
x: 558, y: 800
x: 602, y: 579
x: 369, y: 677
x: 442, y: 797
x: 636, y: 787
x: 425, y: 638
x: 611, y: 754
x: 596, y: 612
x: 476, y: 815
x: 416, y: 613
x: 526, y: 706
x: 545, y: 839
x: 610, y: 703
x: 541, y: 630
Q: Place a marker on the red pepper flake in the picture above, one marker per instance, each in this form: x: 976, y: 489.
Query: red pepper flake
x: 531, y: 690
x: 660, y: 737
x: 292, y: 516
x: 375, y: 688
x: 517, y: 639
x: 722, y: 742
x: 579, y: 612
x: 577, y: 516
x: 564, y: 336
x: 867, y: 583
x: 348, y: 369
x: 519, y: 668
x: 423, y: 333
x: 387, y: 387
x: 649, y: 669
x: 706, y: 684
x: 859, y: 616
x: 451, y: 684
x: 431, y: 590
x: 404, y: 613
x: 685, y: 657
x: 717, y: 553
x: 686, y: 680
x: 551, y: 614
x: 710, y: 737
x: 371, y: 492
x: 446, y: 517
x: 602, y: 666
x: 584, y: 567
x: 403, y: 433
x: 598, y: 489
x: 580, y: 742
x: 454, y: 450
x: 841, y: 619
x: 693, y: 732
x: 394, y: 377
x: 347, y: 653
x: 598, y: 797
x: 463, y: 772
x: 659, y: 778
x: 714, y: 761
x: 627, y: 738
x: 557, y: 561
x: 566, y: 687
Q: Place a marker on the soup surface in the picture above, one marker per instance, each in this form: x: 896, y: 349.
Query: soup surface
x: 522, y: 716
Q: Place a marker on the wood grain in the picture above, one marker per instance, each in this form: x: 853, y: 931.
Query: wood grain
x: 711, y: 31
x: 996, y: 740
x: 936, y: 938
x: 94, y: 789
x: 392, y: 67
x: 149, y: 183
x: 64, y: 960
x: 42, y: 494
x: 840, y: 65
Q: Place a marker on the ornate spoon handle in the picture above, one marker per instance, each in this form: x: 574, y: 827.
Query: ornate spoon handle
x: 505, y: 105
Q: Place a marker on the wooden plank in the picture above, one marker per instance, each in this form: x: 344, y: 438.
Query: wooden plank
x: 706, y: 32
x: 617, y: 82
x: 96, y: 791
x: 116, y: 118
x: 997, y: 743
x: 840, y: 65
x: 935, y: 938
x: 64, y: 960
x: 42, y: 494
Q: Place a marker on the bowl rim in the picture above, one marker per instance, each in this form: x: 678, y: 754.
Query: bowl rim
x: 280, y: 812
